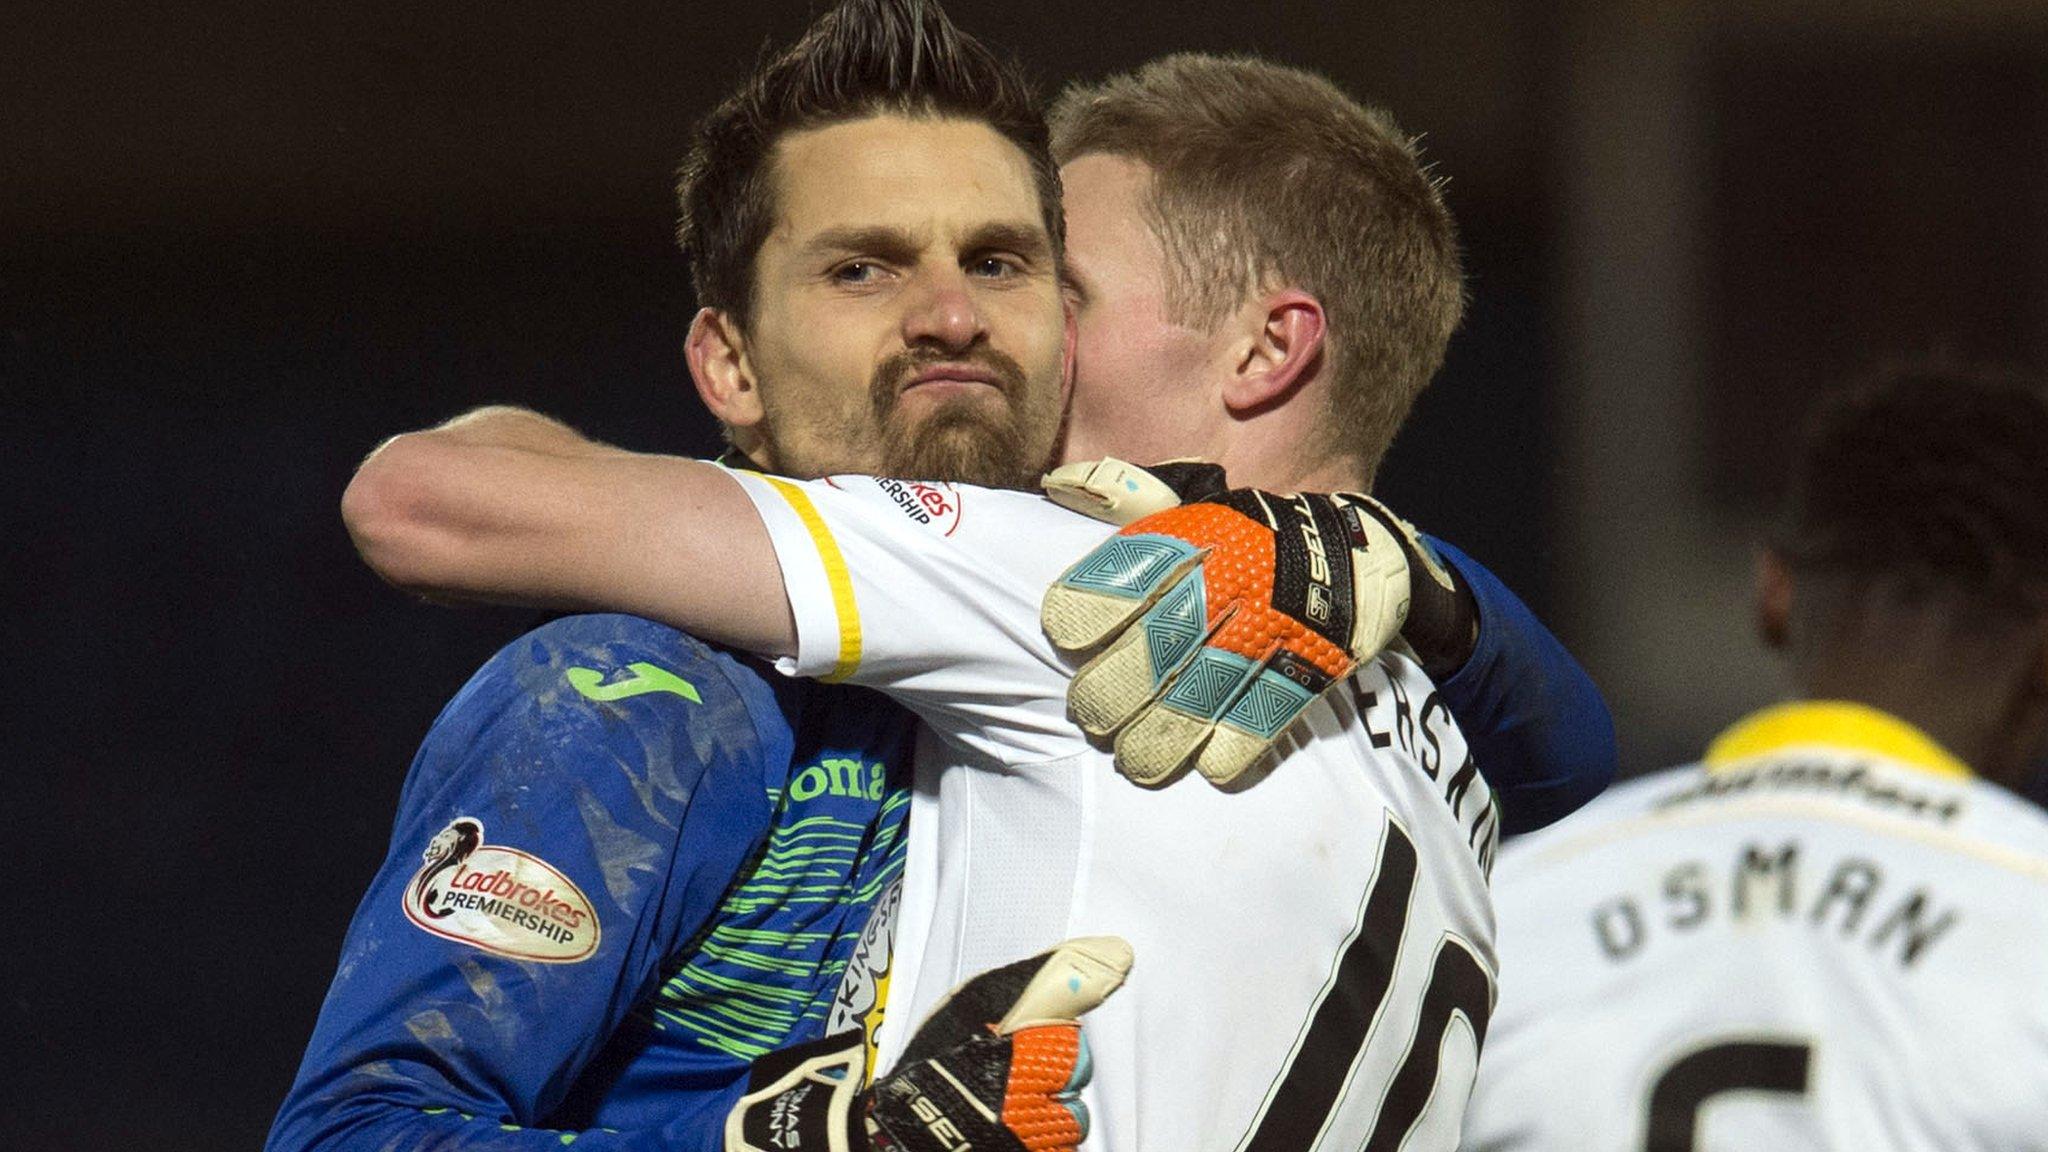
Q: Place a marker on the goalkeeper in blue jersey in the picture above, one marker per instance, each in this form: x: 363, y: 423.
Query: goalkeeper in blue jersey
x: 627, y: 866
x: 629, y: 877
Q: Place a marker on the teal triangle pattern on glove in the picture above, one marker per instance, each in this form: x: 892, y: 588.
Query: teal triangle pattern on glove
x: 1176, y: 625
x: 1129, y: 566
x: 1269, y: 705
x: 1211, y: 681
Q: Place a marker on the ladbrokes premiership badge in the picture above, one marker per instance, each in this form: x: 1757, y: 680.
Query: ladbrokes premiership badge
x: 501, y: 900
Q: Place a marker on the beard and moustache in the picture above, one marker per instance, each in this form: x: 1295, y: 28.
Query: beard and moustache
x: 1001, y: 441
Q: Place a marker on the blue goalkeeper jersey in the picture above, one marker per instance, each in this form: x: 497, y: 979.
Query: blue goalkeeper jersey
x: 624, y: 865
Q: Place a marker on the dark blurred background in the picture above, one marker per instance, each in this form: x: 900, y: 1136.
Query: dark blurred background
x: 241, y: 243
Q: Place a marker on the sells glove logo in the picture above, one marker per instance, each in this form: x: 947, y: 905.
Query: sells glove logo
x: 501, y: 900
x: 1321, y: 601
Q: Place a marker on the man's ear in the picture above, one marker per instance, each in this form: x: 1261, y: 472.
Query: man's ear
x: 1281, y: 347
x: 717, y: 353
x: 1773, y: 600
x: 1070, y: 343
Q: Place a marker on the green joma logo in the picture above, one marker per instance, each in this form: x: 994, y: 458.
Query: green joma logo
x: 645, y: 678
x: 840, y: 777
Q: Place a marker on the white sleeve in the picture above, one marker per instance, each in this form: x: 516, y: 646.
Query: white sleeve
x: 930, y: 593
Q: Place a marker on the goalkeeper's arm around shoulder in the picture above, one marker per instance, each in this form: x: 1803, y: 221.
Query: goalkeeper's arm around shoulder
x: 507, y: 506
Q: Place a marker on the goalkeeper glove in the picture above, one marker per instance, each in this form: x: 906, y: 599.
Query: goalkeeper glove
x: 1226, y: 612
x: 997, y: 1066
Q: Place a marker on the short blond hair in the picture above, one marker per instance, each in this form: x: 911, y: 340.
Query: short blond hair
x: 1265, y: 175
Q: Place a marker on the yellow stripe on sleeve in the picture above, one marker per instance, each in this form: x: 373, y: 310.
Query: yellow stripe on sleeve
x: 836, y: 577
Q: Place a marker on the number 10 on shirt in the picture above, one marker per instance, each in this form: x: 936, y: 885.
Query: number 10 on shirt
x: 1333, y: 1040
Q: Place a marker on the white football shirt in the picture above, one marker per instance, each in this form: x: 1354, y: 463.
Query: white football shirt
x: 1827, y: 936
x: 1313, y: 952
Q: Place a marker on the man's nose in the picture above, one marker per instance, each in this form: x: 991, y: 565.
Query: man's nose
x: 943, y: 311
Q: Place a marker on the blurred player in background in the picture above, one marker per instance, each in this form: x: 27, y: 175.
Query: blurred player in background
x: 1829, y: 934
x: 1348, y: 887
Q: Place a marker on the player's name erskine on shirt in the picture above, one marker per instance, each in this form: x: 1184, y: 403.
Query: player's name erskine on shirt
x: 1424, y: 733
